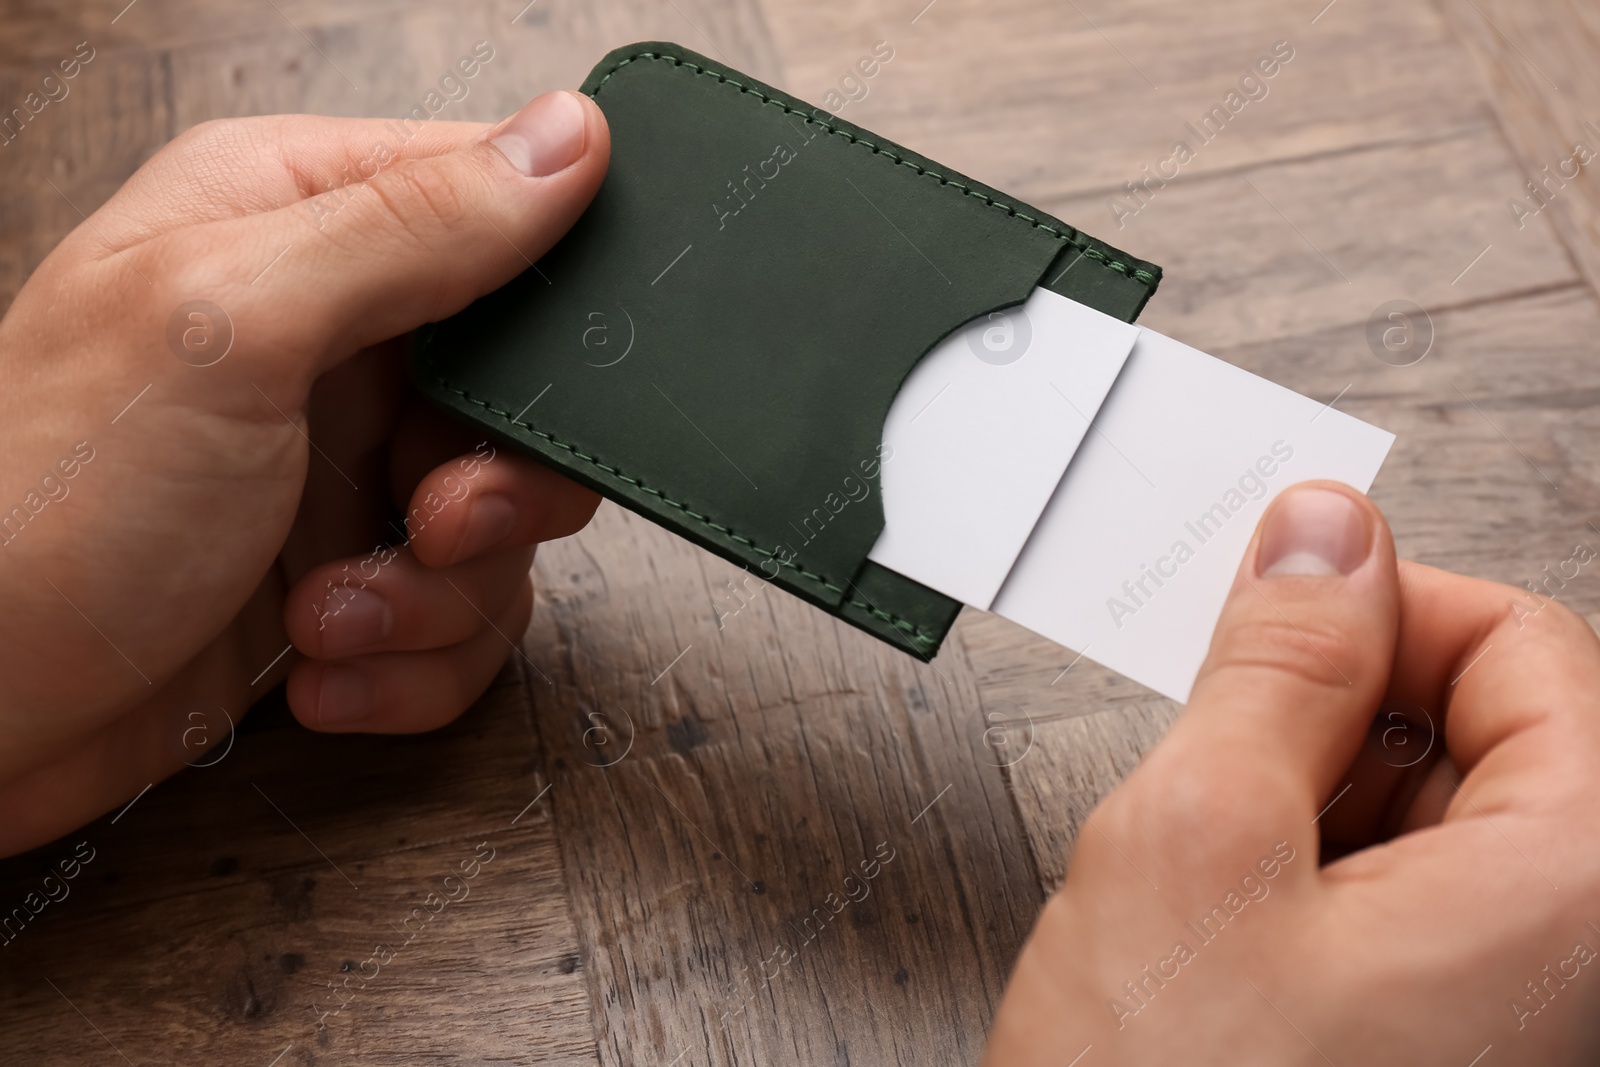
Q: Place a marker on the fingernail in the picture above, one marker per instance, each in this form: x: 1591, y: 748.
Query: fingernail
x: 345, y: 697
x: 354, y: 619
x: 1313, y: 531
x: 490, y: 521
x: 546, y: 136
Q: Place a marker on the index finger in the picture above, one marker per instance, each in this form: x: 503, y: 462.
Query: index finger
x: 1498, y: 665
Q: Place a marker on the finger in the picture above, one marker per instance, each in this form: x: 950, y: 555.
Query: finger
x: 489, y: 500
x: 407, y: 692
x: 230, y: 168
x: 389, y: 602
x: 350, y: 416
x: 1297, y: 667
x: 1446, y: 620
x: 1377, y: 798
x: 1470, y: 649
x: 462, y: 504
x: 425, y: 437
x: 416, y: 241
x: 1468, y: 655
x: 1451, y: 631
x: 1519, y: 681
x: 1432, y: 799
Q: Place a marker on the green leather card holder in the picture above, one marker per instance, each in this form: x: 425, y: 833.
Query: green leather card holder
x: 717, y: 342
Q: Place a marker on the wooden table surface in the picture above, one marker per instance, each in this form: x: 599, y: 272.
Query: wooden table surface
x: 661, y: 813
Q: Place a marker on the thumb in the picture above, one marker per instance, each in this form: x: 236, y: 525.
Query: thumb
x: 413, y: 241
x: 1298, y: 666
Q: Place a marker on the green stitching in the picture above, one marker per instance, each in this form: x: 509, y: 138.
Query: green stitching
x: 1137, y: 273
x: 904, y: 625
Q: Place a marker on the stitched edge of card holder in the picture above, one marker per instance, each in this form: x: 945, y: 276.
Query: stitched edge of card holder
x: 1107, y: 257
x: 921, y: 635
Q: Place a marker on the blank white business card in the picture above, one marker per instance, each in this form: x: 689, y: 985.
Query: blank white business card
x: 1132, y: 558
x: 980, y: 433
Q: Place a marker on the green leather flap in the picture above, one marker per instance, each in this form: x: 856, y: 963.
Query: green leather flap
x: 717, y: 342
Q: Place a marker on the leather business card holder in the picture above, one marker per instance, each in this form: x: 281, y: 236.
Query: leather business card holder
x: 718, y: 340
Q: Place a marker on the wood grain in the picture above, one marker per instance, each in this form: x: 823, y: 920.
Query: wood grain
x: 765, y: 762
x: 1048, y: 101
x: 1538, y: 61
x: 686, y: 777
x: 219, y: 911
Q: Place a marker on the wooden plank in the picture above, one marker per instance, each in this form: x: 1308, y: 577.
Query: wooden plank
x: 395, y: 63
x: 73, y: 155
x: 1538, y: 63
x: 644, y: 911
x: 38, y: 34
x: 1259, y: 255
x: 215, y: 914
x: 1048, y: 101
x: 755, y: 768
x: 1506, y: 400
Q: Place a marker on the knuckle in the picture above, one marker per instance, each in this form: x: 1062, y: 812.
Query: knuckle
x: 194, y: 271
x: 194, y: 288
x: 201, y: 136
x: 1314, y: 653
x: 421, y: 200
x: 217, y: 141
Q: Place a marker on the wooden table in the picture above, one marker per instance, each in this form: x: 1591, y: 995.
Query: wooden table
x: 661, y: 814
